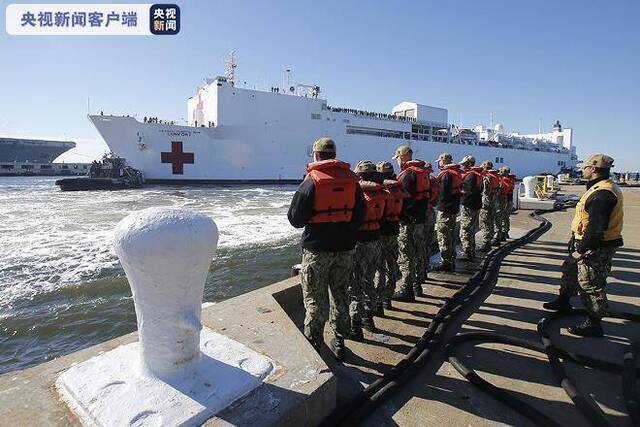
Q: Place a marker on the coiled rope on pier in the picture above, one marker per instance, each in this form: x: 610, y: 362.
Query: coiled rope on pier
x: 361, y: 405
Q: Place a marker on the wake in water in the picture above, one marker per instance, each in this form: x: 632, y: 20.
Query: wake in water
x: 61, y: 286
x: 53, y: 239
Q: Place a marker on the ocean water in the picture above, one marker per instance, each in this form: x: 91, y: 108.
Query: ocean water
x: 61, y: 285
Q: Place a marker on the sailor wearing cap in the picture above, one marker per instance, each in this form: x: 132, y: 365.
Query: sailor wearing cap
x: 504, y: 203
x: 329, y: 204
x: 450, y: 181
x: 470, y: 204
x: 362, y: 293
x: 416, y: 181
x: 430, y: 221
x: 490, y: 185
x: 596, y: 234
x: 388, y: 271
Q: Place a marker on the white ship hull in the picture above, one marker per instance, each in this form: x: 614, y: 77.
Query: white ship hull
x: 266, y: 137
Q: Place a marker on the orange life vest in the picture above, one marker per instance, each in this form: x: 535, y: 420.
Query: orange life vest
x: 435, y: 191
x: 423, y: 185
x: 477, y: 172
x: 395, y: 199
x: 494, y: 181
x: 375, y: 196
x: 334, y: 188
x: 453, y: 170
x: 506, y: 186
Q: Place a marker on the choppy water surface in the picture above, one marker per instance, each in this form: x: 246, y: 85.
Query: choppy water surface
x: 61, y: 285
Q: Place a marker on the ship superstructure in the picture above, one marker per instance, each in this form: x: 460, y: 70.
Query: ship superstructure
x: 246, y: 135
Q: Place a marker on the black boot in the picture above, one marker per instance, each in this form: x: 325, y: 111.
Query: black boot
x: 560, y: 303
x: 417, y: 291
x: 337, y: 348
x: 405, y: 295
x: 485, y: 248
x: 592, y: 327
x: 495, y: 242
x: 367, y: 323
x: 444, y: 266
x: 503, y: 238
x: 386, y: 304
x: 379, y: 311
x: 355, y: 332
x: 315, y: 343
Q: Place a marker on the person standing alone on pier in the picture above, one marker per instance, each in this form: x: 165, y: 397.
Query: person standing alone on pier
x: 330, y: 205
x: 596, y: 234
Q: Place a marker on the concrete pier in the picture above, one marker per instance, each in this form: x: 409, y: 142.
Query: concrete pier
x: 528, y: 277
x: 306, y: 389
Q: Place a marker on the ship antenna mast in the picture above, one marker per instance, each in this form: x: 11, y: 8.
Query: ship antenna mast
x: 231, y: 65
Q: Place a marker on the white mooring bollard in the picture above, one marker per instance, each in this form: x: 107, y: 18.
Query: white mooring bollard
x: 166, y: 255
x: 178, y: 373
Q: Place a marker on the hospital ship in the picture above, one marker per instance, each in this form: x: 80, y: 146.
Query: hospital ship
x: 241, y: 135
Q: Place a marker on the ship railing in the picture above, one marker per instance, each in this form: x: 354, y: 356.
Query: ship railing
x: 373, y: 115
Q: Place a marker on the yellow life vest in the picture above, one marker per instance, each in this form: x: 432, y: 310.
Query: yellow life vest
x: 581, y: 217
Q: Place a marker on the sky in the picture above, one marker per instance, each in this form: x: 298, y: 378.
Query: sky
x: 524, y: 61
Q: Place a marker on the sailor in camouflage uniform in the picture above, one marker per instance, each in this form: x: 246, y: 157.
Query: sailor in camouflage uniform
x: 328, y: 242
x: 430, y: 220
x: 415, y: 180
x: 450, y: 181
x: 487, y: 212
x: 388, y: 271
x: 362, y: 293
x: 503, y: 223
x: 596, y: 234
x: 470, y: 204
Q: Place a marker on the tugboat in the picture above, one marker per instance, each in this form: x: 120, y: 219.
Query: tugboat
x: 111, y: 173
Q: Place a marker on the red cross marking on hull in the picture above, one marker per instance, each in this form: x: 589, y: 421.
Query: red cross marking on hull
x: 177, y: 158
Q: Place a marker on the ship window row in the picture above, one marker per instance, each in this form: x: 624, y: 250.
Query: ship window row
x: 384, y: 133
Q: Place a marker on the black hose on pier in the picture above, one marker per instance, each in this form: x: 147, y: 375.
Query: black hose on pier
x: 583, y: 402
x: 360, y: 406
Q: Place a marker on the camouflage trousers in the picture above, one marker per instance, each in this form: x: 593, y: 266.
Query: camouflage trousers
x: 427, y: 241
x: 487, y: 222
x: 502, y: 209
x: 421, y: 253
x: 325, y: 279
x: 505, y: 221
x: 408, y: 255
x: 588, y: 277
x: 362, y: 292
x: 445, y: 230
x: 430, y: 232
x: 468, y: 225
x: 388, y: 271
